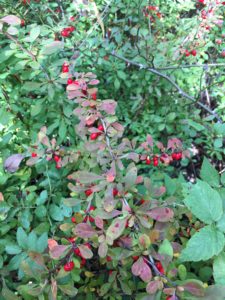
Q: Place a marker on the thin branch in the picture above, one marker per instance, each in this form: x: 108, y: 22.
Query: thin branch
x: 33, y: 57
x: 191, y: 66
x: 162, y: 75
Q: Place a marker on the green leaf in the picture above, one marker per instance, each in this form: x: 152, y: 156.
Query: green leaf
x: 42, y: 243
x: 36, y: 109
x: 223, y: 178
x: 12, y: 249
x: 31, y: 86
x: 7, y: 294
x: 52, y: 48
x: 203, y: 245
x: 204, y: 202
x: 221, y: 223
x: 166, y: 248
x: 22, y: 238
x: 68, y: 289
x: 42, y: 198
x: 34, y: 33
x: 121, y: 75
x: 56, y: 213
x: 219, y: 269
x: 32, y: 240
x: 209, y: 174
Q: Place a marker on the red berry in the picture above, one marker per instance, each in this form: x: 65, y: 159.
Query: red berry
x: 76, y: 82
x: 77, y: 251
x: 69, y: 81
x: 58, y: 166
x: 83, y: 262
x: 65, y: 32
x: 201, y: 1
x: 94, y: 96
x: 135, y: 258
x: 69, y: 266
x: 57, y: 158
x: 33, y: 154
x: 148, y: 160
x: 92, y: 208
x: 71, y: 240
x: 159, y: 267
x: 85, y: 219
x: 110, y: 272
x: 187, y: 53
x: 155, y: 161
x: 94, y: 136
x: 108, y: 258
x: 73, y: 219
x: 91, y: 219
x: 115, y: 192
x: 88, y: 192
x: 22, y: 23
x: 87, y: 245
x: 194, y: 52
x: 168, y: 298
x: 100, y: 127
x: 223, y: 53
x: 71, y: 28
x: 65, y: 69
x: 142, y: 201
x: 127, y: 224
x: 179, y: 155
x: 72, y: 18
x: 174, y: 156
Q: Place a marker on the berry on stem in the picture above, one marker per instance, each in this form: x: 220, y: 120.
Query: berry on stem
x: 33, y: 154
x: 88, y: 192
x: 73, y: 219
x: 94, y: 136
x: 69, y: 266
x: 194, y: 52
x: 69, y: 81
x: 148, y: 160
x: 56, y: 158
x: 115, y: 192
x: 100, y: 127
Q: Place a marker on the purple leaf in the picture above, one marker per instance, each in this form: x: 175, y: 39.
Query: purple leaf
x: 194, y: 287
x: 154, y: 286
x: 11, y: 20
x: 84, y: 230
x: 57, y: 251
x: 141, y: 269
x: 12, y: 163
x: 161, y: 214
x: 94, y: 82
x: 115, y: 229
x: 102, y: 249
x: 85, y: 252
x: 109, y: 106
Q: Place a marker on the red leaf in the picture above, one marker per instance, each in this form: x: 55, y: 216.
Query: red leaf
x: 99, y: 222
x: 57, y: 251
x: 12, y: 163
x: 154, y: 286
x: 84, y: 230
x: 141, y: 269
x: 109, y: 106
x: 85, y: 251
x: 161, y: 214
x: 195, y: 288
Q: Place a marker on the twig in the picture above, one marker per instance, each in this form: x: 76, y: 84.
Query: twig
x: 28, y: 52
x: 191, y: 66
x: 162, y: 75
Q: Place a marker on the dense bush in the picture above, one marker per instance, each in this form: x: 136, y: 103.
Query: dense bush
x: 91, y: 206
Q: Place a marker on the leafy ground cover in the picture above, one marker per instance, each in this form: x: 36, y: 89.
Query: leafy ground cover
x: 103, y: 198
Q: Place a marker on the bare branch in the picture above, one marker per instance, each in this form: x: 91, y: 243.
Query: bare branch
x: 162, y: 75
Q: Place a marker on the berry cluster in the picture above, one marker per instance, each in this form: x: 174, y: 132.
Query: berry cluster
x: 192, y: 52
x: 66, y: 32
